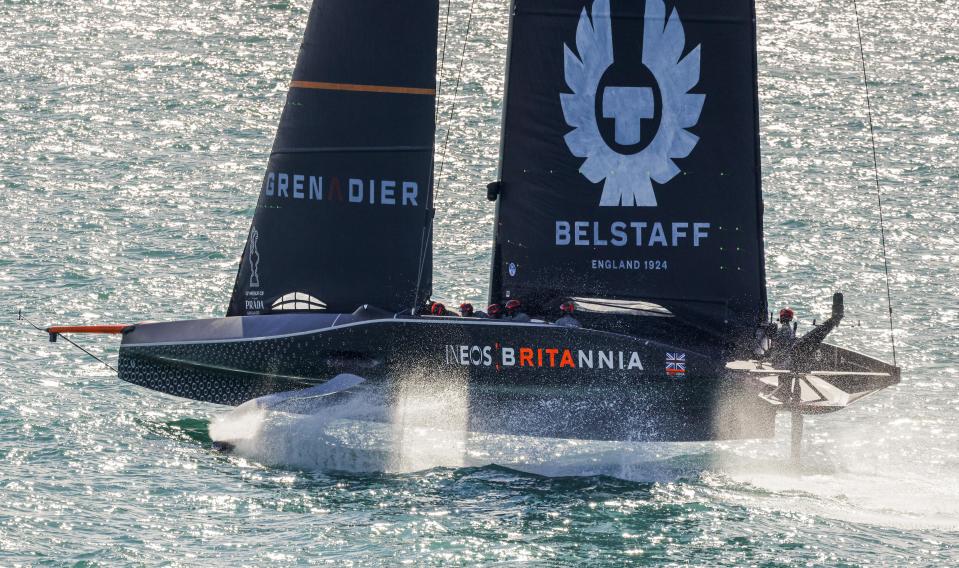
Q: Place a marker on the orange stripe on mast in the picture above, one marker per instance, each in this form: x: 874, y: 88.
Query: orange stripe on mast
x: 323, y: 86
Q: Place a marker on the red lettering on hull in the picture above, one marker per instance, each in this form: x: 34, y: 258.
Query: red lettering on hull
x: 525, y: 357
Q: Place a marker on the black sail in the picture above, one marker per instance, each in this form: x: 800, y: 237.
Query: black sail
x: 343, y: 205
x: 630, y: 159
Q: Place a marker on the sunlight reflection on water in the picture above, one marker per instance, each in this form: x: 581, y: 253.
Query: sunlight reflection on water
x: 133, y: 136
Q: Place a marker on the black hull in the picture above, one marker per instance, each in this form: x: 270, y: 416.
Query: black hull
x: 528, y: 379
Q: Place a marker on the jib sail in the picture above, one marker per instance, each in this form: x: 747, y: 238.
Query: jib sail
x: 630, y: 160
x: 343, y: 205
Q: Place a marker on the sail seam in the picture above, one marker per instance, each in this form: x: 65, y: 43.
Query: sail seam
x: 356, y: 87
x: 335, y: 149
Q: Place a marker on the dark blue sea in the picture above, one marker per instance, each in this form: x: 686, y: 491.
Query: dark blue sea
x: 133, y: 139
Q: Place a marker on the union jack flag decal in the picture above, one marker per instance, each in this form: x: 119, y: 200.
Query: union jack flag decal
x: 676, y: 364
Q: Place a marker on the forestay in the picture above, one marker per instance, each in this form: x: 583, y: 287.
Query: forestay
x: 343, y: 205
x: 630, y: 158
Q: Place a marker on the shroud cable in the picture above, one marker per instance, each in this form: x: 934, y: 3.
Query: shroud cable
x: 875, y: 167
x: 430, y: 214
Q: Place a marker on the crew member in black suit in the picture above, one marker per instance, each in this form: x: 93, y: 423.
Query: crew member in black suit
x: 568, y: 320
x: 786, y: 334
x: 439, y: 309
x: 513, y: 312
x: 466, y: 310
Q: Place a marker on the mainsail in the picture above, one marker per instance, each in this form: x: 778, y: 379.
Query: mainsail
x: 630, y: 159
x: 344, y: 202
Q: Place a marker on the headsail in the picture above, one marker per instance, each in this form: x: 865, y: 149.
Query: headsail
x: 630, y: 164
x: 343, y: 205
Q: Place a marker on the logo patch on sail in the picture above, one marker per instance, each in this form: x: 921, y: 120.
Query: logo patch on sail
x: 253, y: 300
x: 254, y: 258
x: 629, y: 175
x: 313, y: 188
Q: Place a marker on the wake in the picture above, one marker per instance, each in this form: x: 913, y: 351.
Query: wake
x: 848, y: 475
x: 426, y: 427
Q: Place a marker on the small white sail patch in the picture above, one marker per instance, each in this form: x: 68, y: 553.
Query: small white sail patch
x: 297, y: 301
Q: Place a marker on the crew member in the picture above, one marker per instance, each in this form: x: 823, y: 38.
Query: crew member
x: 785, y: 334
x: 567, y: 320
x: 466, y: 310
x: 439, y: 309
x: 513, y: 312
x: 426, y: 308
x: 495, y: 311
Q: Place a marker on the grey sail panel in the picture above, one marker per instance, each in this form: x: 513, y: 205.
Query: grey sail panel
x: 343, y: 205
x: 630, y: 164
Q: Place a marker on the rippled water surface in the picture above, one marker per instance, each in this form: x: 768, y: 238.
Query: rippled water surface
x: 133, y: 135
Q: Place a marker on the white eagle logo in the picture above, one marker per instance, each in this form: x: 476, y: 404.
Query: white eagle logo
x: 628, y: 176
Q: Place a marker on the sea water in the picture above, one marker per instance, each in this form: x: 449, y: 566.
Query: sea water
x: 133, y: 140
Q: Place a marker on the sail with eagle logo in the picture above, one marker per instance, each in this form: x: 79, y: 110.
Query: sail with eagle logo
x: 344, y: 205
x: 630, y: 159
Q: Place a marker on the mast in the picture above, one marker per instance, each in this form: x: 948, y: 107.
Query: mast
x: 495, y: 289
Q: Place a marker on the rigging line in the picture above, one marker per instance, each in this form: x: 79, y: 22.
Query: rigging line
x: 65, y: 338
x: 442, y: 68
x: 428, y: 228
x: 456, y: 88
x: 70, y: 341
x: 429, y: 204
x: 875, y: 167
